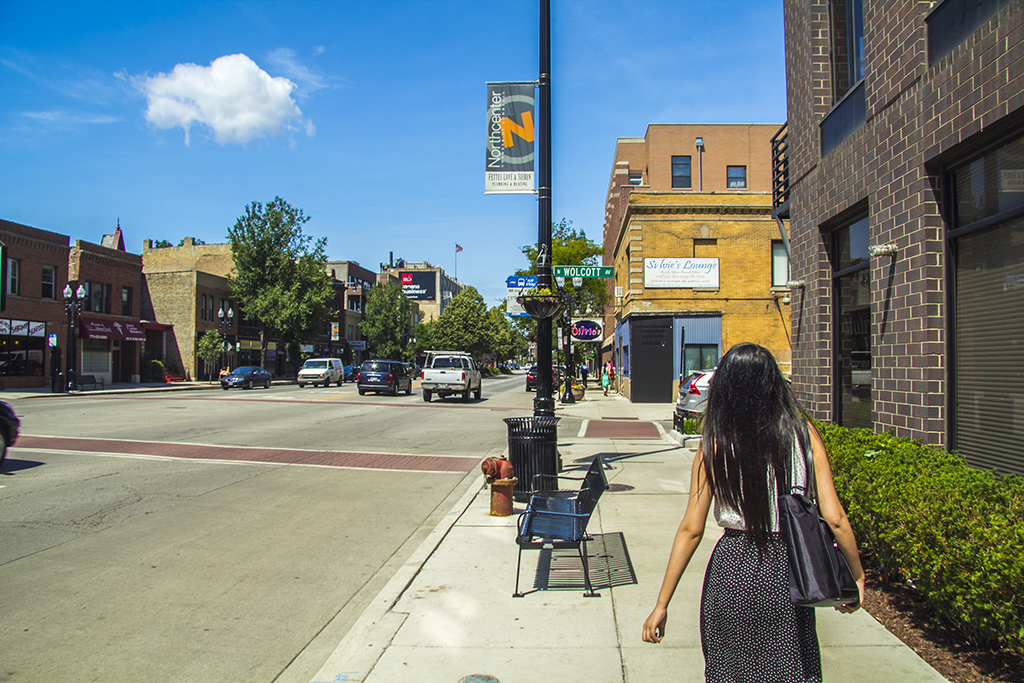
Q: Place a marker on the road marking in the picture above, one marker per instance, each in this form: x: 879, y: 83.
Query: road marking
x: 403, y: 462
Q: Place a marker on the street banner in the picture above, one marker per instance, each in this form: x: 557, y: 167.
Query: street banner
x: 516, y: 285
x: 681, y: 272
x: 510, y: 136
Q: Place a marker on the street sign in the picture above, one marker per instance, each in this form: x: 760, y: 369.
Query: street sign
x: 583, y: 271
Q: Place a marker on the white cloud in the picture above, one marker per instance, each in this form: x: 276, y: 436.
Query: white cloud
x: 288, y: 63
x: 233, y: 97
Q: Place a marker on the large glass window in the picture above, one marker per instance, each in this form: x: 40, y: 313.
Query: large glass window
x: 13, y: 276
x: 681, y: 173
x: 852, y: 336
x: 699, y: 357
x: 987, y: 248
x: 846, y: 27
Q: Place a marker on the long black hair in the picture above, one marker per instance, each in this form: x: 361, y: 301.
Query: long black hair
x: 751, y: 425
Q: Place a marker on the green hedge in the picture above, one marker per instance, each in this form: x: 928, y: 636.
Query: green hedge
x: 956, y: 533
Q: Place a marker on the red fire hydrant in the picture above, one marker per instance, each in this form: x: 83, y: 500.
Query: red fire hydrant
x: 501, y: 477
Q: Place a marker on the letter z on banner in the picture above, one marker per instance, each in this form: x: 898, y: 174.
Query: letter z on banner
x: 510, y: 135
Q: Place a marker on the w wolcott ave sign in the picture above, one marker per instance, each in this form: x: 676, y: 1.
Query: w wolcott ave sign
x: 583, y: 271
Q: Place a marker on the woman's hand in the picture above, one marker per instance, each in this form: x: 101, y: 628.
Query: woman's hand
x: 853, y: 606
x: 654, y: 627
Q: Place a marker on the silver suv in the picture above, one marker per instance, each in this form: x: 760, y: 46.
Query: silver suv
x: 321, y: 371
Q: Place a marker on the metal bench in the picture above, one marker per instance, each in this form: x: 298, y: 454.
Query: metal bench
x: 89, y: 379
x: 558, y: 519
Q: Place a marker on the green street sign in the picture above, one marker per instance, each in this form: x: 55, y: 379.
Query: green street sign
x: 583, y: 271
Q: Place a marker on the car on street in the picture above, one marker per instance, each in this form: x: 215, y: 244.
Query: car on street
x: 383, y: 376
x: 451, y: 373
x: 693, y: 394
x: 9, y: 424
x: 247, y: 377
x: 321, y: 371
x: 557, y: 376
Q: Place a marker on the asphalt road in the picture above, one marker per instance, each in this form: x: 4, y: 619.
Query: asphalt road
x: 220, y: 536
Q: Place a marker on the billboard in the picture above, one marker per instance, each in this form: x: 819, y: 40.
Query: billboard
x: 510, y: 136
x: 420, y: 285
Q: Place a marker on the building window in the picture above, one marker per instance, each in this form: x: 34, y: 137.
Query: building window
x: 13, y: 276
x: 705, y: 248
x: 636, y: 178
x: 780, y: 264
x: 49, y: 283
x: 736, y: 176
x: 97, y: 297
x: 852, y: 330
x: 126, y: 301
x: 699, y: 357
x: 953, y: 21
x: 681, y: 173
x: 846, y: 22
x: 986, y: 244
x: 202, y: 307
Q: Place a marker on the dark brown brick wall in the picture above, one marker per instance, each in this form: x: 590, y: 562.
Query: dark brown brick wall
x: 918, y: 118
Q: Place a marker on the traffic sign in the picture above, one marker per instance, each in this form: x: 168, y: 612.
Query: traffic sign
x: 583, y: 271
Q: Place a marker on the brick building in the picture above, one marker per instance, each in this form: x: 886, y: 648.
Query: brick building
x: 697, y: 256
x: 36, y: 273
x: 352, y: 282
x: 109, y: 338
x: 429, y: 287
x: 905, y: 195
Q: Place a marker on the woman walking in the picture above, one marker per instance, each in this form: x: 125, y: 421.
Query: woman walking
x: 753, y: 435
x: 605, y: 379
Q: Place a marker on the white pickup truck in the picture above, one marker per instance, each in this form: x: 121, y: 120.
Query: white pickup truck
x: 451, y: 373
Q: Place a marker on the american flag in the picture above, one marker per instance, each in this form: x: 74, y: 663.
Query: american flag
x: 458, y: 248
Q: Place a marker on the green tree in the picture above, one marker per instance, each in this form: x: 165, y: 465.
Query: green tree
x: 387, y: 322
x: 209, y: 349
x: 280, y: 276
x: 424, y: 333
x: 464, y: 325
x: 571, y: 247
x: 506, y: 342
x: 161, y: 244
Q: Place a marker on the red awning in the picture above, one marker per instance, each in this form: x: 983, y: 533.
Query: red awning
x: 100, y: 328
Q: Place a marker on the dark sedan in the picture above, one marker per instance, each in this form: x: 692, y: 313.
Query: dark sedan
x: 9, y: 424
x: 246, y: 377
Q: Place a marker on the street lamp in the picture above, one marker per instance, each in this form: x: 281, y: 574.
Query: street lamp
x: 570, y: 367
x: 224, y: 321
x: 73, y: 307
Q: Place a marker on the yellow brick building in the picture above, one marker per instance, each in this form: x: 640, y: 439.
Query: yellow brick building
x: 700, y: 265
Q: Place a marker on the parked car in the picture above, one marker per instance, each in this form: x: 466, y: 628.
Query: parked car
x: 246, y: 377
x: 9, y: 424
x: 557, y: 376
x: 388, y: 376
x: 531, y: 378
x: 321, y: 371
x: 693, y: 394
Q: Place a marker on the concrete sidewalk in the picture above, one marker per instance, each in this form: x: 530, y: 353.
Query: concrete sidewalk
x: 449, y: 616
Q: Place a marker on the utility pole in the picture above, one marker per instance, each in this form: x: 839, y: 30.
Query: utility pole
x: 544, y: 404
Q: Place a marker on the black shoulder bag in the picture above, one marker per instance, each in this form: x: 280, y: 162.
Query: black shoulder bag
x: 819, y: 575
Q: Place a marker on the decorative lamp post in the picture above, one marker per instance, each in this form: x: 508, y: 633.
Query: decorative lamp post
x: 224, y: 321
x: 73, y: 307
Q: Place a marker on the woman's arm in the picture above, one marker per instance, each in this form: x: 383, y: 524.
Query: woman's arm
x: 833, y: 513
x: 688, y: 537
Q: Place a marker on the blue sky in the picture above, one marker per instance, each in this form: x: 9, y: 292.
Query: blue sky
x: 368, y: 115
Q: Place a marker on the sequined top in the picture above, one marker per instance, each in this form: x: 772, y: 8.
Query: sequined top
x: 730, y: 518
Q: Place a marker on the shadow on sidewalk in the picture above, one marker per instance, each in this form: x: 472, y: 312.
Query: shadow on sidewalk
x: 607, y: 556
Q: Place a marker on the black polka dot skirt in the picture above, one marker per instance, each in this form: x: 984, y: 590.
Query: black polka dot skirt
x: 749, y: 629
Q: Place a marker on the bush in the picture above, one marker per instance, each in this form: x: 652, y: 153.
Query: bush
x: 690, y: 426
x: 953, y: 532
x: 152, y: 371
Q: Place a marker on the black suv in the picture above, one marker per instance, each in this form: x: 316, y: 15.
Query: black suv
x: 388, y: 376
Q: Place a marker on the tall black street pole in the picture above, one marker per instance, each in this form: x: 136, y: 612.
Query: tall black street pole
x: 544, y: 404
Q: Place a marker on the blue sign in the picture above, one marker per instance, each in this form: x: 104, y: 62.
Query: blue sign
x: 521, y: 281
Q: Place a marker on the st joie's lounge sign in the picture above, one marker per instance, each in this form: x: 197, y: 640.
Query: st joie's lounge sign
x: 510, y: 135
x: 681, y: 272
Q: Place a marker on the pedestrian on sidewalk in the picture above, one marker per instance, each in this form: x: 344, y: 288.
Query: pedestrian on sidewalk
x: 605, y: 380
x: 753, y: 434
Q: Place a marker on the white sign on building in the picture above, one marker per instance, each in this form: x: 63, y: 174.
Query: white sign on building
x: 681, y: 272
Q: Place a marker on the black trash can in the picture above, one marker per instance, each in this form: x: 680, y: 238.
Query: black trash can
x: 532, y: 449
